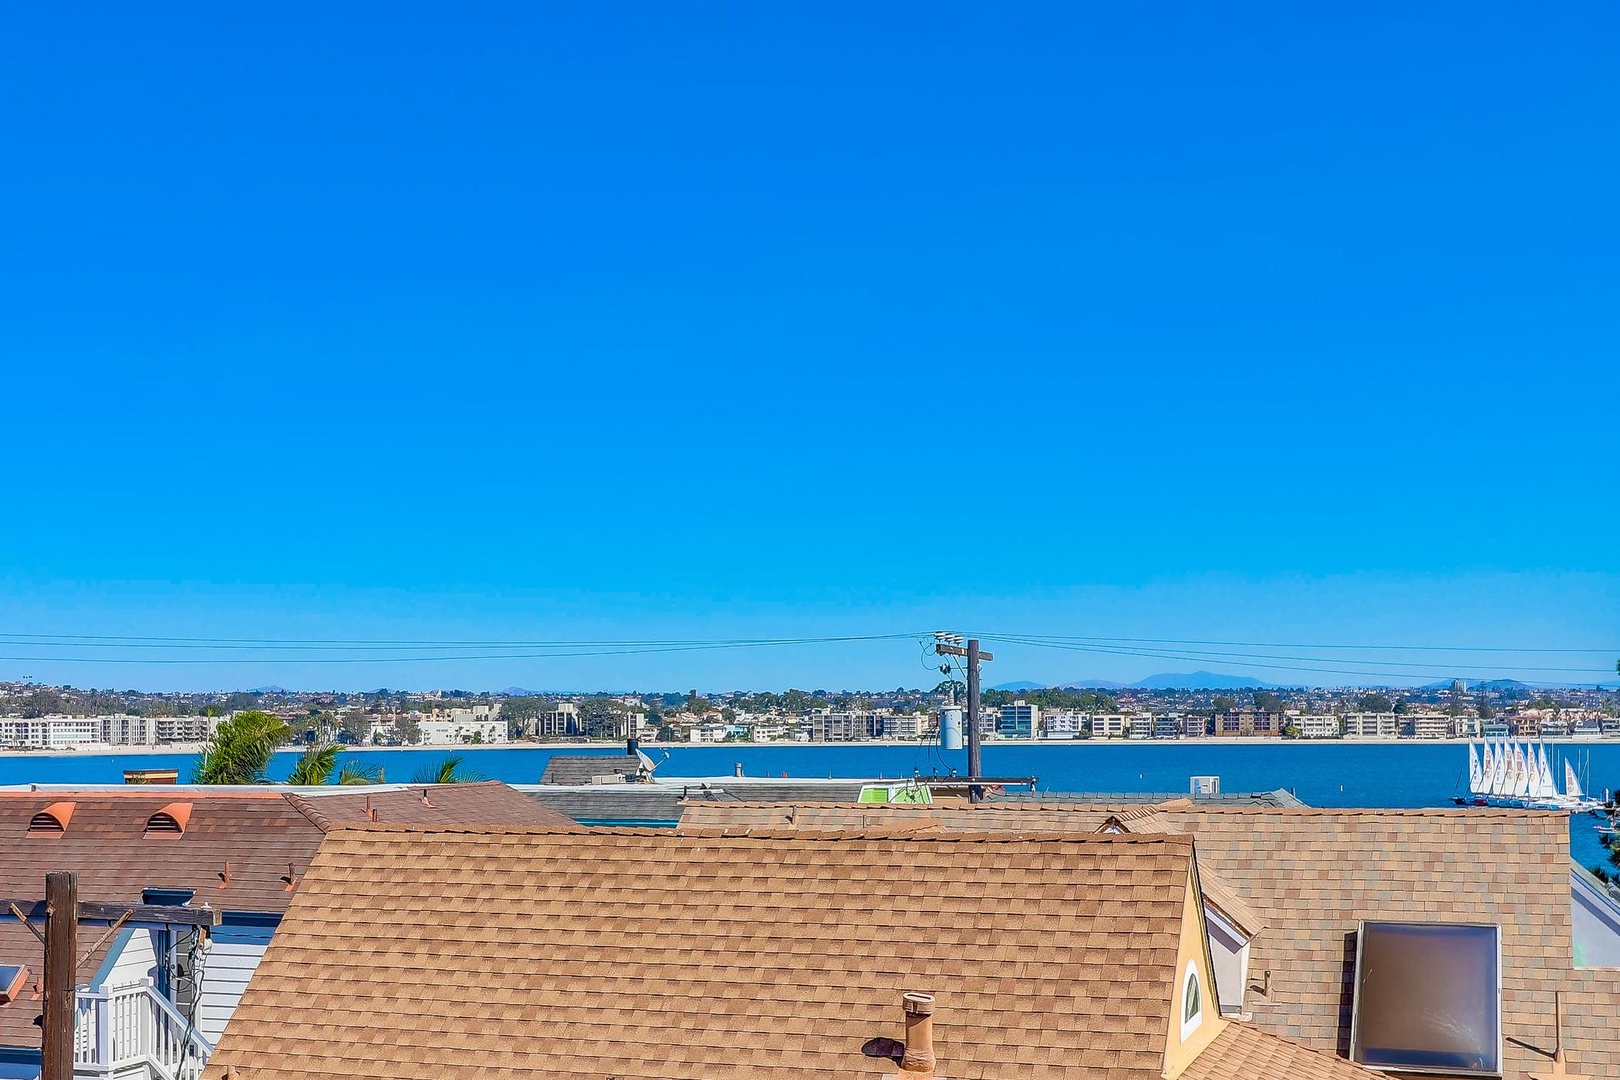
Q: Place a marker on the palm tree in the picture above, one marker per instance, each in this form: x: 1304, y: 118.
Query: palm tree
x: 353, y: 773
x: 240, y: 749
x: 315, y: 766
x: 319, y: 763
x: 450, y: 770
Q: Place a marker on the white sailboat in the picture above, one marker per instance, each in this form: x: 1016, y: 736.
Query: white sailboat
x: 1520, y: 775
x: 1548, y: 787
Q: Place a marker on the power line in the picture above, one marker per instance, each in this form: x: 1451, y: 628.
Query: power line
x: 1613, y: 650
x: 614, y: 649
x: 1323, y: 666
x: 109, y: 641
x: 1204, y: 655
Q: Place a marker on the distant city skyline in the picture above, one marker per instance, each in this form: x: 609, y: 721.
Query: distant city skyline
x: 588, y: 323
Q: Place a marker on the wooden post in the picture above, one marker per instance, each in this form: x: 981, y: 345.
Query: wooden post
x: 975, y: 740
x: 61, y: 972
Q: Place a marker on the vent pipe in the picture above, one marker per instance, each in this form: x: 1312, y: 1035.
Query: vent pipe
x: 919, y: 1058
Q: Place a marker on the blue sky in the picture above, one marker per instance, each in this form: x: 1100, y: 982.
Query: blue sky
x: 622, y: 321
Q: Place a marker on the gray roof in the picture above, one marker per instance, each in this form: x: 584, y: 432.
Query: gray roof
x: 583, y: 768
x: 1279, y: 798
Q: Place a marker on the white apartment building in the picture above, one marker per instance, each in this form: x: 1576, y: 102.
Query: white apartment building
x: 1064, y: 725
x: 167, y: 729
x: 49, y: 732
x: 907, y: 725
x: 475, y: 724
x: 1430, y: 725
x: 559, y: 722
x: 128, y: 730
x: 1317, y: 726
x: 455, y: 733
x: 1109, y: 726
x: 1141, y: 726
x: 1372, y: 726
x: 845, y: 726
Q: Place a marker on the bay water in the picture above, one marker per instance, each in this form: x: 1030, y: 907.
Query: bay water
x: 1382, y: 774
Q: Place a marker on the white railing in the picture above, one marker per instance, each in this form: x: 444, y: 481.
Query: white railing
x: 133, y: 1032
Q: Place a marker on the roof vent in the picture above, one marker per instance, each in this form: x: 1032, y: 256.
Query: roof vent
x: 169, y: 821
x: 53, y: 819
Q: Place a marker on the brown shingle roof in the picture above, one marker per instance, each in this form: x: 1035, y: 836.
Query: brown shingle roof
x: 105, y: 844
x: 1061, y: 818
x: 1316, y: 873
x: 412, y: 952
x: 1243, y: 1052
x: 1312, y: 874
x: 489, y: 802
x: 265, y: 835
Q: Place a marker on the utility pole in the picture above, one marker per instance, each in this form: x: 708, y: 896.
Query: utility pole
x: 61, y: 911
x: 951, y: 645
x: 61, y: 968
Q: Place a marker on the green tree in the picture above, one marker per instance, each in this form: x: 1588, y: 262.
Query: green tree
x: 520, y: 712
x: 1374, y: 703
x: 1267, y: 701
x: 451, y: 769
x: 408, y: 728
x: 239, y: 752
x: 599, y: 717
x: 1224, y: 704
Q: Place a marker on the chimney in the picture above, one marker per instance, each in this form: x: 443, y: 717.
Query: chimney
x: 918, y: 1062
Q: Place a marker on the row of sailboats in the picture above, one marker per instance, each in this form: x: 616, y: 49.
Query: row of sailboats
x: 1518, y: 774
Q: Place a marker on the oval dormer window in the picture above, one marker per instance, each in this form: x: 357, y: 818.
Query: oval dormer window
x: 1192, y: 1002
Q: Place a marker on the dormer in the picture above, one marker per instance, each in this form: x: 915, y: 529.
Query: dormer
x: 51, y: 821
x: 169, y: 821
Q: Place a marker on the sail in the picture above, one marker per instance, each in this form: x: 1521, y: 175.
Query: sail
x: 1499, y: 777
x: 1548, y: 788
x: 1572, y: 784
x: 1487, y: 771
x: 1475, y: 772
x: 1522, y: 757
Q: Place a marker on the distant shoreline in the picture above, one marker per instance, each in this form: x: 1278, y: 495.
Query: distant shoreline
x: 187, y: 749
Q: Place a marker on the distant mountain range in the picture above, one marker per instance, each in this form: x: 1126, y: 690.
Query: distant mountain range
x: 1199, y: 680
x: 1189, y: 680
x: 518, y: 691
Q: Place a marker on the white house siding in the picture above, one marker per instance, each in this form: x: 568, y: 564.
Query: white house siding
x: 225, y: 976
x: 130, y: 960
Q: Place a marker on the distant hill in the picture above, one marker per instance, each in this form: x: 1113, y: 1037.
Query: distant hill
x: 1094, y: 684
x: 267, y: 690
x: 518, y: 691
x: 1198, y: 680
x: 1021, y: 685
